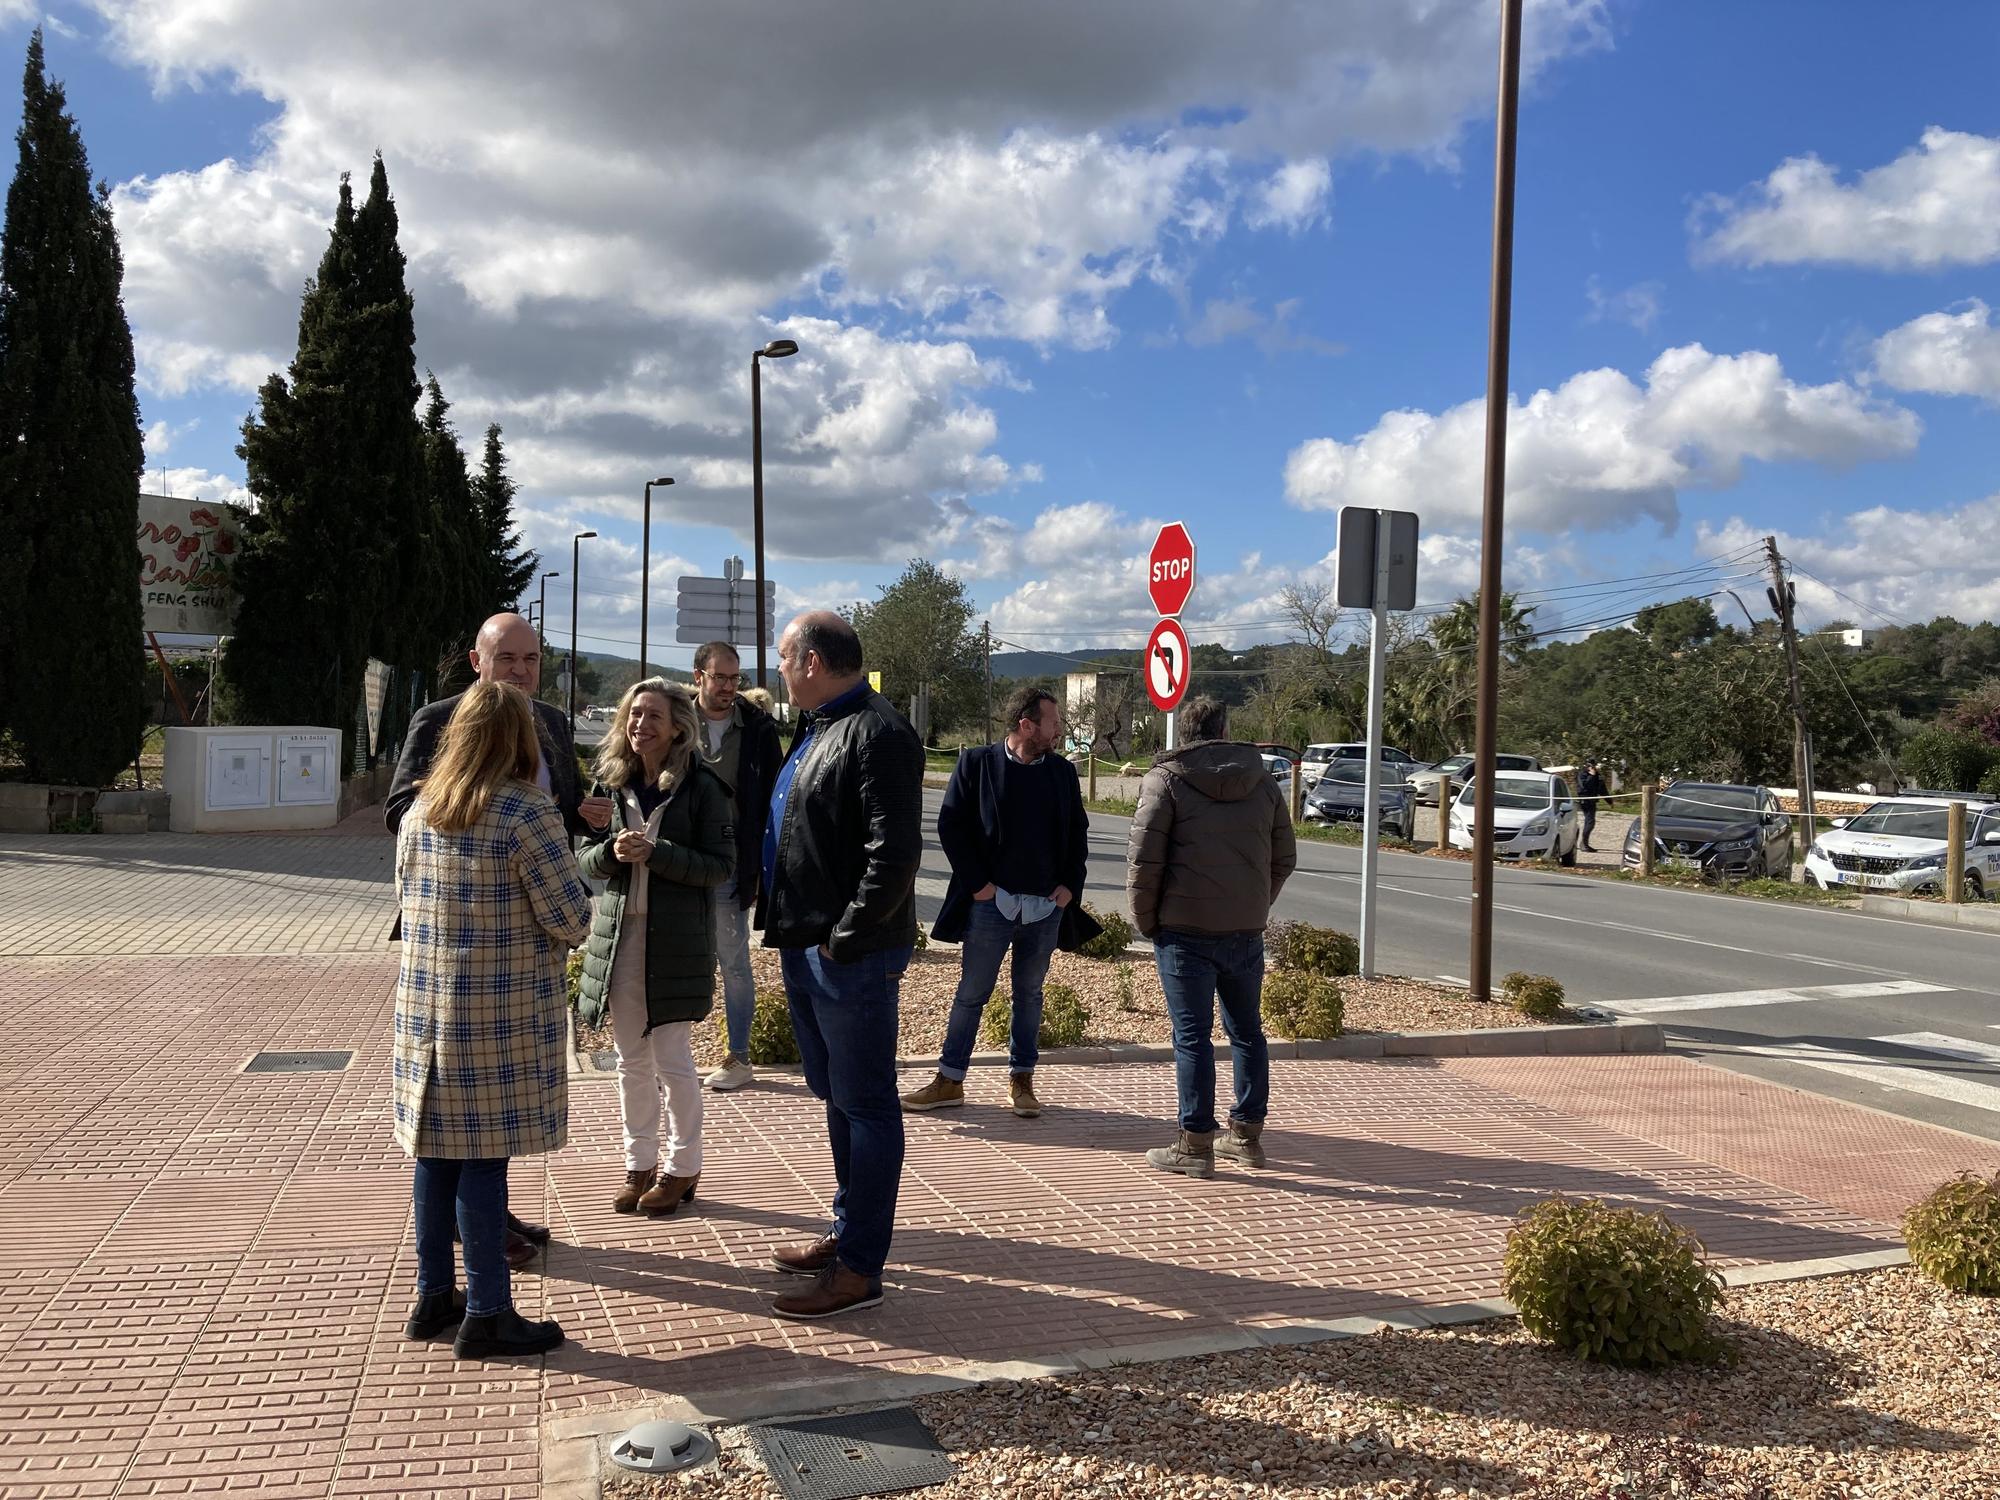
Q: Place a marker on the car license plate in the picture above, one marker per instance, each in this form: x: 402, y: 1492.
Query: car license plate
x: 1886, y: 882
x: 1681, y: 862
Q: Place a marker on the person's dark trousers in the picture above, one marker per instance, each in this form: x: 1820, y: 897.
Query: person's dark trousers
x: 844, y: 1018
x: 988, y: 939
x: 1589, y: 822
x: 472, y: 1194
x: 1195, y: 968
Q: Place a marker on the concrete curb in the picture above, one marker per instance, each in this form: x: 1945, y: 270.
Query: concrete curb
x: 575, y: 1450
x: 1579, y: 1040
x: 1984, y: 916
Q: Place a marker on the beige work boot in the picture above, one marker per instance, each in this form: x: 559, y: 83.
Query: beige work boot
x: 1192, y: 1154
x: 940, y: 1093
x: 1242, y: 1142
x: 1021, y: 1095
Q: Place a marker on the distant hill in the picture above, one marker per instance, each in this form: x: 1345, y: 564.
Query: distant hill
x: 1054, y: 664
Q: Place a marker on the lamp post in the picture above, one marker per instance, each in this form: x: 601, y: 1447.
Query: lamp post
x: 542, y: 628
x: 776, y: 349
x: 574, y: 579
x: 646, y: 566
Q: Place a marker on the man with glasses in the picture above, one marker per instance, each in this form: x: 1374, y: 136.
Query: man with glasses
x: 740, y: 743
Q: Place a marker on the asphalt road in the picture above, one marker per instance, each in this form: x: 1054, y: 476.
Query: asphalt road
x: 1900, y: 1016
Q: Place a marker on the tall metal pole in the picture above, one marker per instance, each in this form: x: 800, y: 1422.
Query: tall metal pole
x: 986, y: 642
x: 542, y: 629
x: 645, y: 574
x: 1485, y: 743
x: 1802, y: 766
x: 757, y: 498
x: 1371, y: 811
x: 575, y: 589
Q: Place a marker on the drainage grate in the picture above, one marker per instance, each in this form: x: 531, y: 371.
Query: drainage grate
x: 862, y: 1453
x: 299, y: 1062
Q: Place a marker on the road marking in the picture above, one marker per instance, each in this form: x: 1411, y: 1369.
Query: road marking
x: 1461, y: 979
x: 1949, y: 1046
x: 1733, y: 999
x: 1891, y: 1075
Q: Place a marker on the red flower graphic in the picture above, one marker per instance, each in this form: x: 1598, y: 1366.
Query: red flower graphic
x: 202, y: 517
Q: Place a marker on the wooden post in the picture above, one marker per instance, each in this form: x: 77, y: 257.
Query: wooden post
x: 1954, y: 854
x: 1092, y: 757
x: 1444, y: 812
x: 1647, y: 793
x: 1298, y: 792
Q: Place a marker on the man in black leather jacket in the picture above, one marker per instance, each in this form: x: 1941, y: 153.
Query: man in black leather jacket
x: 838, y: 901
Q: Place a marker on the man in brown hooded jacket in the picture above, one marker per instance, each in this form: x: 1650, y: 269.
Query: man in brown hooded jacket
x: 1212, y: 845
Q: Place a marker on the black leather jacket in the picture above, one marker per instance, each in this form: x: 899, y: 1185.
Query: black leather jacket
x: 852, y: 836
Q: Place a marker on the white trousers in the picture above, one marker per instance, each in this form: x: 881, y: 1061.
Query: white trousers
x: 647, y: 1067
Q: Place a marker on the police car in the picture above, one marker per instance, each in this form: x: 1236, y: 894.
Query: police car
x: 1898, y: 845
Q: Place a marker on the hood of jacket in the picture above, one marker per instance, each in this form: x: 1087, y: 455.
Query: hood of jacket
x: 1219, y: 769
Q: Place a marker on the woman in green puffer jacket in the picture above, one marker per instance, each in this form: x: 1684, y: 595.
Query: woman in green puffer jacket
x: 650, y: 959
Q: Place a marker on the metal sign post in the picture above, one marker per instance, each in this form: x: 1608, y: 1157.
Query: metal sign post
x: 1169, y: 581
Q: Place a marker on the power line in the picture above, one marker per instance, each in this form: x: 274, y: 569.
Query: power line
x: 1880, y: 614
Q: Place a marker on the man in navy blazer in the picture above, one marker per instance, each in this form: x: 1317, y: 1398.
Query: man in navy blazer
x: 1014, y: 829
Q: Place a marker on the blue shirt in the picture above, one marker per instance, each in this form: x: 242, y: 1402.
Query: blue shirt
x: 808, y: 730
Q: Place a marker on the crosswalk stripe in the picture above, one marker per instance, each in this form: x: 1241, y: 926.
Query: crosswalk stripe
x: 1946, y: 1046
x: 1732, y: 999
x: 1894, y: 1075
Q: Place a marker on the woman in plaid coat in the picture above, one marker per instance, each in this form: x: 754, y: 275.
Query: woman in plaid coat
x: 491, y: 904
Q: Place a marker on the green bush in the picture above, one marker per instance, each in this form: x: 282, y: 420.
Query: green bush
x: 771, y: 1039
x: 1110, y: 944
x: 1615, y: 1285
x: 1954, y: 1235
x: 1942, y: 759
x: 1534, y: 995
x: 573, y: 975
x: 1065, y: 1019
x: 1128, y: 988
x: 1316, y: 950
x: 923, y: 938
x: 1303, y: 1006
x: 1989, y: 784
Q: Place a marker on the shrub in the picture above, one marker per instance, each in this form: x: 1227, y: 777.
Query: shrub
x: 996, y: 1021
x: 1065, y: 1019
x: 1989, y: 784
x: 573, y: 975
x: 1954, y: 1235
x: 1533, y: 995
x: 1110, y: 944
x: 1943, y: 759
x: 923, y: 938
x: 1316, y: 950
x: 1614, y: 1285
x: 1303, y: 1006
x: 1128, y: 989
x: 771, y: 1039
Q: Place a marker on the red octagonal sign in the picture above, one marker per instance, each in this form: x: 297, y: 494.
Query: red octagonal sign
x: 1170, y: 571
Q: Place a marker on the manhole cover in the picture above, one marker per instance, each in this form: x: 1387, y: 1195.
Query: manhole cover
x: 862, y: 1453
x: 299, y: 1062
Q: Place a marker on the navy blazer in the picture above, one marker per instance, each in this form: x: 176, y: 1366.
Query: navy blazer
x: 968, y: 827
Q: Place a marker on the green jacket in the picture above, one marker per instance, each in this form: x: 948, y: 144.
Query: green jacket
x: 695, y: 853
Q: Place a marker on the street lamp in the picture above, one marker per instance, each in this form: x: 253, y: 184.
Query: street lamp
x: 776, y: 349
x: 645, y: 566
x: 574, y: 579
x: 542, y: 629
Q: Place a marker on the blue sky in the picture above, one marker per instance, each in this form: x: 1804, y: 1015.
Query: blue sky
x: 1060, y: 275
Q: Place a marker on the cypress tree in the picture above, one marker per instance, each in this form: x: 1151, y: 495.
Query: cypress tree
x: 453, y: 544
x: 507, y: 566
x: 71, y: 627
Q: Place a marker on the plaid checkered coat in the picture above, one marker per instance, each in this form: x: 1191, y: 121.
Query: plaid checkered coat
x: 489, y: 916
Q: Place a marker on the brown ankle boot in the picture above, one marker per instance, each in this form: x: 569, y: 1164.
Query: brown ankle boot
x: 635, y: 1187
x: 668, y: 1194
x: 1021, y: 1095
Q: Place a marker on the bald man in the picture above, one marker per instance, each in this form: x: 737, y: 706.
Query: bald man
x: 507, y: 650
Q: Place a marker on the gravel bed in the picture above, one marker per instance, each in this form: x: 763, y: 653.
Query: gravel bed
x: 1879, y: 1385
x: 1385, y: 1004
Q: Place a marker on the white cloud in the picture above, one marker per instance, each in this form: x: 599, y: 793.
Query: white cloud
x: 1638, y: 305
x: 1600, y: 451
x: 1293, y: 198
x: 196, y: 484
x: 1938, y: 204
x: 1898, y: 564
x: 1225, y: 318
x: 1950, y: 353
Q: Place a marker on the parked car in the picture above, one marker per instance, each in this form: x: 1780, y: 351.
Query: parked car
x: 1319, y: 757
x: 1341, y: 796
x: 1278, y: 765
x: 1272, y: 747
x: 1899, y: 845
x: 1727, y: 832
x: 1426, y: 781
x: 1534, y: 817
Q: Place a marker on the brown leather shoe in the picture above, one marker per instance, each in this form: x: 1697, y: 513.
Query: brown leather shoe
x: 520, y: 1253
x: 635, y: 1187
x: 806, y: 1260
x: 1021, y: 1095
x: 940, y: 1093
x: 666, y: 1195
x: 837, y: 1290
x: 534, y: 1234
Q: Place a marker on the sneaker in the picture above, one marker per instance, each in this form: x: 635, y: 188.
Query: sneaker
x: 940, y: 1093
x: 835, y: 1291
x: 1242, y: 1142
x: 1021, y: 1095
x: 1192, y: 1154
x: 505, y: 1333
x: 733, y: 1074
x: 667, y: 1194
x: 435, y: 1312
x: 636, y: 1184
x: 806, y: 1260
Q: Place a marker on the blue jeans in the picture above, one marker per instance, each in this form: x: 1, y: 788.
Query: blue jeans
x: 474, y: 1195
x: 987, y: 941
x: 1194, y: 969
x: 844, y: 1017
x: 732, y: 956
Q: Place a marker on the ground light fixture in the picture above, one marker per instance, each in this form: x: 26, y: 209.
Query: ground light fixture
x: 662, y: 1448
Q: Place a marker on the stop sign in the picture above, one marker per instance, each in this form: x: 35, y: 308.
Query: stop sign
x: 1170, y: 569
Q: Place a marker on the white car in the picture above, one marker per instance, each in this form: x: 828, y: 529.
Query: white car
x: 1534, y: 817
x: 1898, y: 845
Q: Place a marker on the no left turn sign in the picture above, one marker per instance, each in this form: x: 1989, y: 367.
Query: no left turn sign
x: 1167, y: 663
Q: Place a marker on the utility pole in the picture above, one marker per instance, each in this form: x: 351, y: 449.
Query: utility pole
x: 1784, y: 601
x: 986, y: 644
